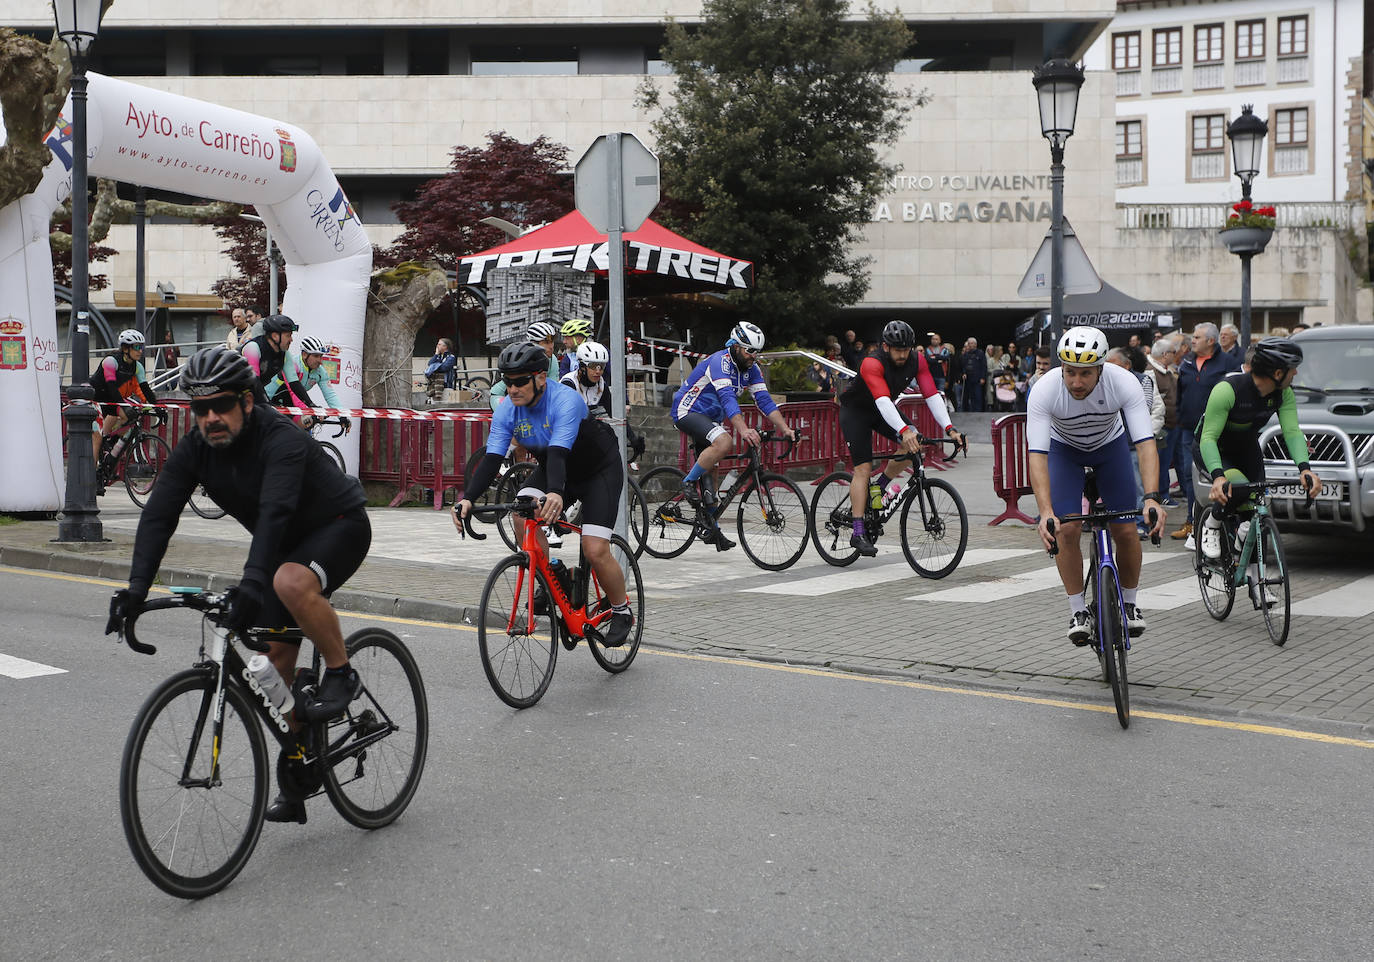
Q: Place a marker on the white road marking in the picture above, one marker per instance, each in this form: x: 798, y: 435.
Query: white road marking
x: 861, y: 577
x: 13, y: 667
x: 1352, y: 600
x: 996, y: 589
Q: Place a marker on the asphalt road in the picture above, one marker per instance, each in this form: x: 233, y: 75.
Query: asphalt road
x: 699, y: 808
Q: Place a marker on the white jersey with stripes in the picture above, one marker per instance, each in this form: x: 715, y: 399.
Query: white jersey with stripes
x: 1053, y: 413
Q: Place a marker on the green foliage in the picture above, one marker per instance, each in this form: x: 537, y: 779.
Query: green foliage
x: 771, y: 146
x: 788, y: 373
x: 8, y: 519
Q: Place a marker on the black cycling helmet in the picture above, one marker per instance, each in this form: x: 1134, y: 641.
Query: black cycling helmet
x: 278, y: 324
x: 216, y: 369
x: 899, y: 334
x: 1275, y: 354
x: 522, y: 357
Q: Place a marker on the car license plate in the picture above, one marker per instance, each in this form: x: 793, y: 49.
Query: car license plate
x: 1331, y: 491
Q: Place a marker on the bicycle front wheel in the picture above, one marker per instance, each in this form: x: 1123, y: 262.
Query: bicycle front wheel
x: 203, y: 506
x: 377, y: 751
x: 1215, y: 576
x: 934, y: 528
x: 511, y: 528
x: 773, y: 522
x: 518, y: 641
x: 1274, y: 581
x: 672, y: 520
x: 616, y: 660
x: 1111, y: 639
x: 142, y: 463
x: 638, y: 524
x: 193, y: 809
x: 334, y: 453
x: 832, y: 520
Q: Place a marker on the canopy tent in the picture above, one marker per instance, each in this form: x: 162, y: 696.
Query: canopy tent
x: 1107, y: 310
x: 572, y: 242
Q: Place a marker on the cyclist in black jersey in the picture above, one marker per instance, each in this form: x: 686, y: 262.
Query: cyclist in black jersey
x: 308, y: 519
x: 266, y: 355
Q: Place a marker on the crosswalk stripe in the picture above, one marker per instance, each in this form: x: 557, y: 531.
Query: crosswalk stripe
x: 22, y: 668
x: 988, y: 589
x: 1170, y: 595
x: 1353, y: 600
x: 862, y: 577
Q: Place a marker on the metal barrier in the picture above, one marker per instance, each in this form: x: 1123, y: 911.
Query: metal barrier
x: 431, y: 455
x: 1010, y: 466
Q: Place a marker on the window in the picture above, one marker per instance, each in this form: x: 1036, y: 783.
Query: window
x: 1207, y: 43
x: 1207, y: 147
x: 1292, y: 36
x: 1168, y: 47
x: 1250, y: 40
x: 524, y: 60
x: 1126, y: 51
x: 1291, y: 145
x: 1130, y: 161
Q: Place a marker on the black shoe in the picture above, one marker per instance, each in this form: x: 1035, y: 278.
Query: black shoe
x: 708, y: 493
x: 691, y: 493
x: 721, y: 542
x: 541, y: 600
x: 336, y: 690
x: 619, y: 631
x: 1080, y: 628
x: 862, y: 545
x: 285, y: 809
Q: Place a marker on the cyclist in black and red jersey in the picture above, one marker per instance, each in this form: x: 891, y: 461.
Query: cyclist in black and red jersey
x: 869, y: 404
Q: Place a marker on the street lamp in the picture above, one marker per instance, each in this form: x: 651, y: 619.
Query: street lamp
x: 1247, y: 133
x: 78, y: 22
x: 1057, y: 83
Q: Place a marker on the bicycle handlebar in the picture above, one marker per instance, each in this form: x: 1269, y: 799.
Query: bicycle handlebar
x: 211, y: 604
x: 523, y: 504
x: 1100, y: 516
x: 1240, y: 489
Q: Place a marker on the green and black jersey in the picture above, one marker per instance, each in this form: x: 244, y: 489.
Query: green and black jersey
x: 1228, y: 433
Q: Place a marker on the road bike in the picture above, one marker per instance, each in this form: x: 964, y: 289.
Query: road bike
x: 1258, y: 564
x: 135, y: 455
x: 529, y: 607
x: 1111, y: 639
x: 312, y: 424
x: 194, y: 780
x: 772, y: 519
x: 933, y: 522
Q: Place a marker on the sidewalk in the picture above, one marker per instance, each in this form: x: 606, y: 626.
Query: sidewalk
x: 997, y: 621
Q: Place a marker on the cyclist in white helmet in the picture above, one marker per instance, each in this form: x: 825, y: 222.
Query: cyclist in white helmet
x: 119, y: 380
x: 540, y: 333
x: 302, y: 370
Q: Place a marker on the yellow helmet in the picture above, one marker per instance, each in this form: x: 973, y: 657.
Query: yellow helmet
x: 577, y: 327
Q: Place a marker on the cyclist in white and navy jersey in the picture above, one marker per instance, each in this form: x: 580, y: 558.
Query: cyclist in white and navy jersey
x: 1080, y: 415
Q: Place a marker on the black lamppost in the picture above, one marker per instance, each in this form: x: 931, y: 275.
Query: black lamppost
x: 1247, y: 133
x: 78, y: 22
x: 1057, y: 83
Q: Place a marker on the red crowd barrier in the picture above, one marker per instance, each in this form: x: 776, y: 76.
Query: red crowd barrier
x: 432, y: 455
x: 1010, y: 466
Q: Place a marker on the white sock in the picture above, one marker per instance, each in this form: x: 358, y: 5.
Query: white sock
x: 1077, y: 604
x: 1128, y: 595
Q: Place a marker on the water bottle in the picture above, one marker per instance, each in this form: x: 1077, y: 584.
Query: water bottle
x: 117, y: 447
x: 729, y: 480
x: 893, y: 492
x: 271, y: 683
x: 875, y: 496
x: 564, y: 576
x: 1242, y: 532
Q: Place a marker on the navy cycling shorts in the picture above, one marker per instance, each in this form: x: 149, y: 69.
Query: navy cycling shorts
x: 333, y: 551
x: 1115, y: 476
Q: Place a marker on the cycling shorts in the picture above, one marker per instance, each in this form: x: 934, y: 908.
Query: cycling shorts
x: 334, y: 551
x: 857, y: 424
x: 701, y: 429
x: 599, y: 494
x: 1245, y: 457
x: 1114, y: 469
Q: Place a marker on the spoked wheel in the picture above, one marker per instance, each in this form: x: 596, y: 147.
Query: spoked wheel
x: 473, y: 460
x: 192, y: 823
x: 335, y: 455
x: 773, y: 522
x: 1274, y: 574
x: 1090, y: 594
x: 511, y: 529
x: 616, y: 660
x: 638, y: 523
x: 934, y: 528
x: 832, y: 520
x: 672, y: 520
x: 1215, y: 577
x: 377, y: 751
x: 517, y: 635
x: 203, y: 506
x: 1112, y: 640
x: 142, y: 465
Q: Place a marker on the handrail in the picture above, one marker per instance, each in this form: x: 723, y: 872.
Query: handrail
x: 1324, y: 215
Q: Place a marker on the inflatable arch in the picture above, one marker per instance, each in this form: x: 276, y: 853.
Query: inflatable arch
x: 139, y: 135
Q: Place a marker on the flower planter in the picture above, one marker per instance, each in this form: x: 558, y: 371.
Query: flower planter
x: 1246, y: 240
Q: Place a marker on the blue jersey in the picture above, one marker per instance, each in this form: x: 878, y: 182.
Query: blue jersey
x: 713, y: 389
x: 552, y: 421
x: 294, y: 369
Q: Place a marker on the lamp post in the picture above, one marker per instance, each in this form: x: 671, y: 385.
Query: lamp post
x: 1057, y: 83
x: 78, y: 22
x: 1247, y: 133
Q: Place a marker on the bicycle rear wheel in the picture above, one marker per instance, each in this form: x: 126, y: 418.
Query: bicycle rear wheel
x: 638, y: 523
x: 773, y: 522
x: 935, y: 535
x: 518, y: 646
x: 192, y: 827
x: 1274, y: 577
x: 672, y: 520
x: 377, y: 751
x: 1112, y: 640
x: 616, y: 660
x: 511, y: 529
x: 141, y: 466
x: 1215, y: 576
x: 203, y: 506
x: 832, y: 520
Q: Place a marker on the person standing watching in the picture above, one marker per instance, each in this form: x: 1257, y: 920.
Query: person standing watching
x: 973, y: 366
x: 937, y: 359
x: 1165, y: 377
x: 1228, y: 340
x: 1201, y: 369
x: 238, y: 332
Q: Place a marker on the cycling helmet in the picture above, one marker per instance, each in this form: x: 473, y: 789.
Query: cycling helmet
x: 577, y: 327
x: 1083, y: 347
x: 278, y: 324
x: 523, y: 357
x: 540, y: 331
x: 590, y: 352
x: 1275, y: 354
x: 216, y: 369
x: 899, y: 334
x: 130, y: 338
x: 748, y: 335
x: 312, y: 345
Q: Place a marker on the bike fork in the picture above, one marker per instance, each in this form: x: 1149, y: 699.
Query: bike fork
x: 1106, y: 563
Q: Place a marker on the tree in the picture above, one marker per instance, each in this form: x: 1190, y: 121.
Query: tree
x: 247, y: 247
x: 773, y: 144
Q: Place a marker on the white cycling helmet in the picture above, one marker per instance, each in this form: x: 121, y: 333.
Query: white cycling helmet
x: 312, y: 345
x: 1083, y: 347
x: 747, y: 334
x: 130, y: 338
x: 540, y: 331
x: 590, y: 352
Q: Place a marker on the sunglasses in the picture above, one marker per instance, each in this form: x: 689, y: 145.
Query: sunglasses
x: 517, y: 381
x: 596, y: 367
x: 201, y: 407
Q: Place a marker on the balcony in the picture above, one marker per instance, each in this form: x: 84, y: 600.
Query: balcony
x: 1128, y: 83
x: 1208, y: 166
x: 1209, y: 76
x: 1292, y: 70
x: 1290, y: 160
x: 1330, y: 216
x: 1249, y: 73
x: 1166, y: 80
x: 1130, y: 171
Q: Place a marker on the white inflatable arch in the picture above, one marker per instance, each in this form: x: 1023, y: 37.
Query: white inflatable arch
x: 143, y: 136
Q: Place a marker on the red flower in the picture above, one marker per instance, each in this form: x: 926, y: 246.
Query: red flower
x: 1266, y: 212
x: 1244, y: 205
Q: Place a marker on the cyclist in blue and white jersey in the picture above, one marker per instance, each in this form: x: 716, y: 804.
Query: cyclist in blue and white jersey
x: 710, y: 396
x: 578, y: 457
x: 1080, y: 415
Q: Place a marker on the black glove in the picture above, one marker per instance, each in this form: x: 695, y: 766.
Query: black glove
x: 124, y: 602
x: 244, y: 604
x: 345, y: 423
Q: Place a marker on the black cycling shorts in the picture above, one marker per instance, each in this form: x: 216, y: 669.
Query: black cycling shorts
x: 1245, y: 456
x: 857, y: 425
x: 700, y: 429
x: 334, y: 551
x: 599, y: 494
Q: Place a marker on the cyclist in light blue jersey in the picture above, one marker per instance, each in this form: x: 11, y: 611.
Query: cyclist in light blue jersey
x: 302, y: 371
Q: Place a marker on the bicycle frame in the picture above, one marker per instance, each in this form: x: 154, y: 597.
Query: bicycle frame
x: 1103, y: 561
x: 575, y: 619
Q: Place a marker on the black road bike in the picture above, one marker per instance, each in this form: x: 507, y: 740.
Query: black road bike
x: 135, y: 455
x: 194, y: 779
x: 311, y: 424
